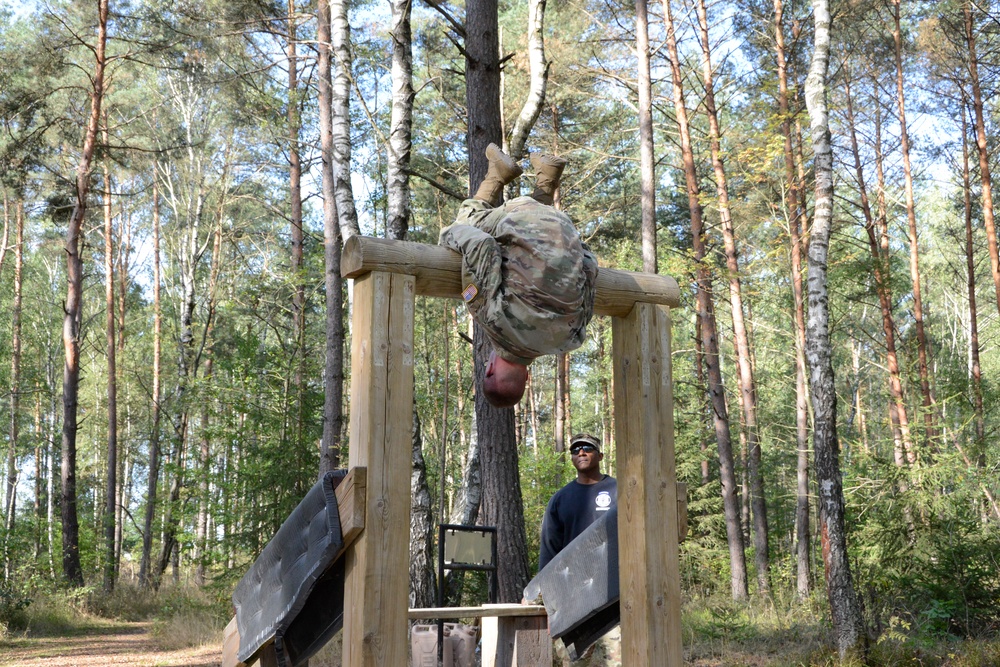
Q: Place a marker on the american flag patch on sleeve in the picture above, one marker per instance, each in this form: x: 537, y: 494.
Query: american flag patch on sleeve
x: 470, y: 293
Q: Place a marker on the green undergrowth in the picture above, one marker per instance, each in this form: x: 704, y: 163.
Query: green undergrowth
x: 720, y: 633
x: 179, y: 617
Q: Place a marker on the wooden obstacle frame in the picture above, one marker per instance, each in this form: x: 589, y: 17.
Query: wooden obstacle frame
x: 388, y: 276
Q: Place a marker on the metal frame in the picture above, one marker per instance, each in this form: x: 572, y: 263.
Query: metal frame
x: 491, y: 568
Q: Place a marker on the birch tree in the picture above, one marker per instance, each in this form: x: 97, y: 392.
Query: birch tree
x: 846, y: 612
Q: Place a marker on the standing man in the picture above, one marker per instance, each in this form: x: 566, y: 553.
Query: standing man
x: 528, y: 278
x: 569, y: 512
x: 581, y: 502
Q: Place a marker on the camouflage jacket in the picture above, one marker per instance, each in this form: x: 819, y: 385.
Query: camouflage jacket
x: 528, y: 278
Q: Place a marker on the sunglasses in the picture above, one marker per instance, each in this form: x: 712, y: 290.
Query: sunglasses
x: 576, y: 449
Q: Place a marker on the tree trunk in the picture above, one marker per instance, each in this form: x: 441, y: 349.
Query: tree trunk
x: 6, y: 231
x: 73, y: 312
x: 10, y: 504
x: 154, y: 437
x: 204, y: 458
x: 559, y: 407
x: 204, y: 454
x: 709, y: 330
x: 401, y: 122
x: 422, y: 562
x: 975, y: 369
x: 40, y: 472
x: 295, y: 210
x: 502, y: 503
x: 111, y: 488
x: 845, y: 610
x: 923, y: 355
x: 647, y: 168
x: 982, y: 148
x: 538, y: 68
x: 744, y: 363
x: 795, y: 218
x: 897, y: 403
x: 341, y: 119
x: 333, y: 369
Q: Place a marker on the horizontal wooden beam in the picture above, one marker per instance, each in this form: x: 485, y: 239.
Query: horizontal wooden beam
x: 438, y: 272
x: 499, y: 610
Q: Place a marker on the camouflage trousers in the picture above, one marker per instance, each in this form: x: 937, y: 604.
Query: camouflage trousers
x: 606, y: 652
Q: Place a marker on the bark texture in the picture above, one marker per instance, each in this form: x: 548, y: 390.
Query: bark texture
x: 72, y: 318
x: 333, y: 369
x: 744, y: 360
x: 145, y: 580
x: 10, y: 503
x: 401, y: 122
x: 795, y: 208
x: 111, y: 487
x: 422, y: 562
x: 647, y: 170
x: 539, y: 76
x: 709, y: 329
x: 502, y: 504
x: 341, y: 119
x: 846, y: 611
x: 923, y: 354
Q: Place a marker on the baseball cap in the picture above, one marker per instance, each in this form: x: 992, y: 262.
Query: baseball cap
x: 585, y: 439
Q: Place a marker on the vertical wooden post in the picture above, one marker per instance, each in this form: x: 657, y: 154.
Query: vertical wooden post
x: 649, y: 571
x: 377, y: 586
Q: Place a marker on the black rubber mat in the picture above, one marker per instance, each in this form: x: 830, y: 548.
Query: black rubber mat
x: 294, y: 591
x: 579, y: 587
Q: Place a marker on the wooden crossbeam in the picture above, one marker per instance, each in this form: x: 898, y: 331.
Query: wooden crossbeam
x: 438, y: 272
x: 499, y: 610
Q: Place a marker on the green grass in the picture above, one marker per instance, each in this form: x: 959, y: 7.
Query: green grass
x: 720, y: 633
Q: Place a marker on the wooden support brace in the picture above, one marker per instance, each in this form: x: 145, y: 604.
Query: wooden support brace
x: 648, y: 525
x: 516, y: 641
x: 377, y: 587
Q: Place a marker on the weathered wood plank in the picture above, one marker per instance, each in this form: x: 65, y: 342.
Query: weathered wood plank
x: 477, y: 612
x: 351, y: 495
x: 516, y: 641
x: 647, y: 489
x: 376, y: 591
x: 231, y: 645
x: 438, y: 272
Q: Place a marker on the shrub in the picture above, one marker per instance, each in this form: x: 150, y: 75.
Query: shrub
x: 13, y: 607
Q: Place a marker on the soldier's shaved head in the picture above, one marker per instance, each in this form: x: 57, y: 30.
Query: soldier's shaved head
x: 504, y: 383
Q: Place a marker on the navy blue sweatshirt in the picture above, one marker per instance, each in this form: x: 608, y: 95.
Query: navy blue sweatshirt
x: 571, y: 510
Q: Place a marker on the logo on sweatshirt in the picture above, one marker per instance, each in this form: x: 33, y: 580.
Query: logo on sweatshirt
x: 603, y: 501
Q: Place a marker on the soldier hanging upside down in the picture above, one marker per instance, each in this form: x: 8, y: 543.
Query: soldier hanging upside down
x: 529, y: 279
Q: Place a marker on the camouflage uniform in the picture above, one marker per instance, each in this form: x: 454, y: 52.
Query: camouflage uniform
x: 605, y: 652
x: 529, y: 280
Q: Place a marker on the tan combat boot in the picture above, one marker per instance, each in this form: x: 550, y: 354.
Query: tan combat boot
x: 548, y: 169
x: 502, y: 171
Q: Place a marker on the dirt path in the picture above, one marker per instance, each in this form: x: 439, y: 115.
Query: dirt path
x: 128, y: 644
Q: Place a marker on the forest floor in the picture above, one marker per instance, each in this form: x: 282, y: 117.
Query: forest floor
x: 110, y: 643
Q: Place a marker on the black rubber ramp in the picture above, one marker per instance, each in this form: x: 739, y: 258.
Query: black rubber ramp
x: 579, y: 587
